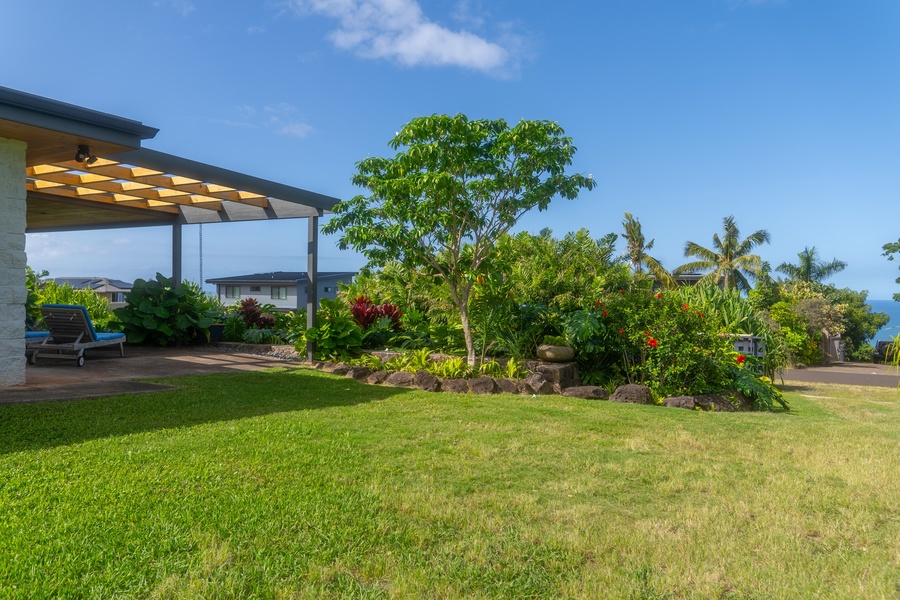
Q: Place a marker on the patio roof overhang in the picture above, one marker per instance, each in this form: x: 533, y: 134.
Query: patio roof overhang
x: 125, y: 185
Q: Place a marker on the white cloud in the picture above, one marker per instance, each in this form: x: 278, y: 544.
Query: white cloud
x: 398, y: 30
x: 256, y: 29
x: 280, y: 118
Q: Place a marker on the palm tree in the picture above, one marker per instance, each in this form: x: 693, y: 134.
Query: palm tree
x: 636, y: 248
x: 729, y: 259
x: 810, y: 268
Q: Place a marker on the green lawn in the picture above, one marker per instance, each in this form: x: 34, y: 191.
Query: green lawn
x: 300, y: 484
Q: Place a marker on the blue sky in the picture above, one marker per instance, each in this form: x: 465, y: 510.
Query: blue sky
x: 783, y: 113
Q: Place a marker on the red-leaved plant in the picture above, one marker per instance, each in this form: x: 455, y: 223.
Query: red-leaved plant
x: 367, y: 313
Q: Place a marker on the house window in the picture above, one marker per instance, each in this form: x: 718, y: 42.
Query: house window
x: 279, y: 292
x: 232, y: 291
x: 118, y: 296
x: 255, y: 288
x: 329, y: 289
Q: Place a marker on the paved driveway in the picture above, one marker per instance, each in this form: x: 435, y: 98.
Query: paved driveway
x: 847, y: 374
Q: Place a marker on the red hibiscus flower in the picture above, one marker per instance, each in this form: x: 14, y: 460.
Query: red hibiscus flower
x: 603, y: 313
x: 653, y: 343
x: 741, y: 358
x: 684, y: 307
x: 621, y: 291
x: 659, y: 295
x: 622, y: 331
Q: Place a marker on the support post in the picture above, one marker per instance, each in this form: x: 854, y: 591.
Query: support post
x: 176, y: 255
x: 13, y: 291
x: 312, y: 276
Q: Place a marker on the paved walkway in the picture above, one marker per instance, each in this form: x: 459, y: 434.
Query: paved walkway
x: 106, y: 373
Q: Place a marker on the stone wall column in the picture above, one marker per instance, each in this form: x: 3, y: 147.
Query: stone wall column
x: 12, y: 262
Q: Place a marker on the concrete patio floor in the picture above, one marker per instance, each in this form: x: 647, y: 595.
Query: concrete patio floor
x: 106, y: 373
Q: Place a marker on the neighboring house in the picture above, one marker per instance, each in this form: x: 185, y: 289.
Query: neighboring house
x: 113, y: 290
x: 279, y: 288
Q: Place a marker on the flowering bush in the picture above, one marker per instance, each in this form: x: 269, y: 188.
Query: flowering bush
x: 640, y: 336
x: 367, y: 313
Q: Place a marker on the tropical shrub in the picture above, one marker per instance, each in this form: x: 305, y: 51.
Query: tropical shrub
x: 640, y: 336
x: 33, y: 282
x: 157, y: 312
x: 336, y: 334
x: 50, y: 292
x: 256, y: 315
x: 759, y: 390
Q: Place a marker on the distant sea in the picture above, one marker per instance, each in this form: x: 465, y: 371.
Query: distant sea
x: 892, y: 329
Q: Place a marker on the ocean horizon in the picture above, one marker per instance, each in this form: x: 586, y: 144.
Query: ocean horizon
x: 892, y: 329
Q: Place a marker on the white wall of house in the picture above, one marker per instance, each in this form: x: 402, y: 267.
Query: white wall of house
x: 263, y: 294
x: 12, y: 262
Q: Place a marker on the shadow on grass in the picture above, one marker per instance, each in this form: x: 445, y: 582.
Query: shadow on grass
x: 199, y: 399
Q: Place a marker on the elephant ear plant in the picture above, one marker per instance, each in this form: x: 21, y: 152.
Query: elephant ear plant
x: 157, y: 312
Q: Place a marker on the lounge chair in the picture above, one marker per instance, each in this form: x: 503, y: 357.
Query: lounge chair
x: 32, y: 340
x: 71, y: 333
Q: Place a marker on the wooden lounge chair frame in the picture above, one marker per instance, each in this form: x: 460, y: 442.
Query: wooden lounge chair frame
x: 71, y: 333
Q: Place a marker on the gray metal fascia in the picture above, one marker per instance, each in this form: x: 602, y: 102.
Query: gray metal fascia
x: 37, y: 111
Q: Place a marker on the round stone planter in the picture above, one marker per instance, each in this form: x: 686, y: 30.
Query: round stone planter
x: 555, y: 353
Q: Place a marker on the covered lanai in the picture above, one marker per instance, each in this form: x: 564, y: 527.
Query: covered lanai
x: 68, y: 168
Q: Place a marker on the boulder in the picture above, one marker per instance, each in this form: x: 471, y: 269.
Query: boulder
x: 716, y: 402
x: 743, y: 402
x: 482, y: 385
x: 359, y: 373
x: 377, y: 378
x: 536, y: 384
x: 400, y: 379
x: 340, y: 369
x: 632, y: 393
x: 687, y: 402
x: 555, y: 354
x: 426, y: 381
x: 560, y: 375
x: 455, y: 386
x: 508, y: 386
x: 589, y: 392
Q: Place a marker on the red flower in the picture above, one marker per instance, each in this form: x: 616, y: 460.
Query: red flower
x: 653, y: 343
x: 659, y: 295
x: 622, y: 331
x: 684, y: 307
x: 604, y: 313
x: 597, y: 303
x: 702, y: 315
x: 741, y: 358
x: 621, y: 291
x: 646, y: 334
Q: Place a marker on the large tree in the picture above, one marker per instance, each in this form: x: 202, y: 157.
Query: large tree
x: 809, y: 268
x: 636, y: 252
x: 890, y: 249
x: 452, y: 190
x: 729, y: 260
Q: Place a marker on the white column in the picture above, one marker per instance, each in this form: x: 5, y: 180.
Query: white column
x: 12, y: 262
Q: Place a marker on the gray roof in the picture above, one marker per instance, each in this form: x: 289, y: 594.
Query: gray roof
x: 283, y: 277
x: 93, y: 283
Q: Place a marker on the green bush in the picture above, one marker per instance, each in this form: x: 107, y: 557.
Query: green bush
x: 50, y: 292
x: 336, y: 334
x: 157, y: 312
x: 640, y: 336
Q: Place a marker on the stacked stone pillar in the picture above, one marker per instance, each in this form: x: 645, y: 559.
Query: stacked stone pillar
x: 12, y: 262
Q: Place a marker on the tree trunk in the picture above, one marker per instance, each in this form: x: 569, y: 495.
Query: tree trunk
x: 467, y: 332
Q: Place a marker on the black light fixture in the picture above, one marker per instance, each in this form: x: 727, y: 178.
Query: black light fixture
x: 83, y: 155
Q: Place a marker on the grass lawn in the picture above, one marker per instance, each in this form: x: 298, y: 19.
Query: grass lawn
x: 300, y: 484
